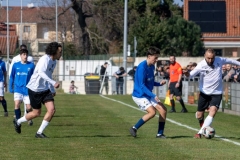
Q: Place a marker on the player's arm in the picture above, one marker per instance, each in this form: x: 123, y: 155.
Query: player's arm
x: 11, y: 79
x: 230, y: 61
x: 42, y: 72
x: 179, y: 74
x: 195, y: 71
x: 141, y: 76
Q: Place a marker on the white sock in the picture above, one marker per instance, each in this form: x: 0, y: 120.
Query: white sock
x: 43, y: 126
x: 207, y: 122
x: 21, y: 120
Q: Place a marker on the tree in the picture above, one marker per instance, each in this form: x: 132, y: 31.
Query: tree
x: 166, y: 30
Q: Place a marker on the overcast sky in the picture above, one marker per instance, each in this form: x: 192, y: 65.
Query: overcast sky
x: 25, y: 2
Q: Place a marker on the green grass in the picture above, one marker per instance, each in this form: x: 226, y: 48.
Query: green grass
x: 89, y: 127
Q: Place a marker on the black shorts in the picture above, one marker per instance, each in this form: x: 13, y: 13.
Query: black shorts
x: 175, y: 91
x: 206, y: 101
x: 39, y: 98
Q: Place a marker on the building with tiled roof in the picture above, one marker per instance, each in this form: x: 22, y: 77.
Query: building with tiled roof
x: 37, y: 29
x: 220, y: 23
x: 13, y: 39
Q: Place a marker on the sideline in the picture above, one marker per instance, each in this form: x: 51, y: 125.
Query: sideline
x: 172, y: 121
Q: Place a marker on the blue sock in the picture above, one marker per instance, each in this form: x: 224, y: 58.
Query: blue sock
x: 161, y: 127
x: 4, y: 104
x: 18, y: 113
x: 139, y: 123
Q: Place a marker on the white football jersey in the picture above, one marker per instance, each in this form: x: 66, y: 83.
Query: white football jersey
x: 41, y: 80
x: 210, y: 81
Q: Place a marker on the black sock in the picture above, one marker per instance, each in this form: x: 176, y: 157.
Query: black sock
x: 182, y: 103
x: 4, y: 104
x: 173, y: 104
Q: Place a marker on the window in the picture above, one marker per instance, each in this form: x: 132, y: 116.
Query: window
x: 209, y: 15
x: 26, y: 29
x: 42, y: 47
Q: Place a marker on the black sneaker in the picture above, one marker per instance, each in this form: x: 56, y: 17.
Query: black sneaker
x: 133, y: 132
x: 40, y: 135
x: 5, y: 114
x: 17, y: 126
x: 184, y: 110
x: 30, y: 123
x: 172, y: 111
x: 161, y: 136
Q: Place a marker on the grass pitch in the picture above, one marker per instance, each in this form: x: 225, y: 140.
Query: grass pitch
x: 89, y: 127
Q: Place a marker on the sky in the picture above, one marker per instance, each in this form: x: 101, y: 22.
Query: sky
x: 25, y: 2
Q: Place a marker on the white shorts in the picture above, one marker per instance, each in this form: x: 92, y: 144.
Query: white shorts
x: 144, y: 103
x: 1, y: 89
x: 22, y: 98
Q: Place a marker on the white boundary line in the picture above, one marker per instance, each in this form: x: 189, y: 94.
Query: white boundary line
x: 172, y: 121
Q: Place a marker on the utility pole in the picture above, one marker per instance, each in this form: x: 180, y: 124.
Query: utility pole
x: 125, y: 44
x: 56, y: 20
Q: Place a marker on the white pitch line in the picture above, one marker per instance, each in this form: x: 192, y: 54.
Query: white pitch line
x: 172, y: 121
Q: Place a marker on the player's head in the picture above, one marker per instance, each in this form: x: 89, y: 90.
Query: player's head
x: 172, y: 59
x: 23, y: 46
x: 54, y: 49
x: 23, y: 54
x: 152, y: 55
x: 209, y: 56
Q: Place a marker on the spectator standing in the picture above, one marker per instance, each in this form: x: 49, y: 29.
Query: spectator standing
x: 41, y: 89
x: 175, y: 84
x: 3, y: 84
x: 143, y: 96
x: 104, y: 77
x: 120, y: 74
x: 132, y: 72
x: 229, y: 72
x: 72, y: 88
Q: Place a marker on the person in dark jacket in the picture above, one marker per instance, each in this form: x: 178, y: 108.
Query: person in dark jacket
x: 132, y: 72
x: 104, y: 77
x: 119, y: 79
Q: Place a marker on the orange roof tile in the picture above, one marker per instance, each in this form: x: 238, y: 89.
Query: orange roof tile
x: 13, y: 39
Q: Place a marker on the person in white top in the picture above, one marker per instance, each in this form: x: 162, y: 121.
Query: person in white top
x: 210, y: 86
x: 41, y: 89
x: 16, y: 59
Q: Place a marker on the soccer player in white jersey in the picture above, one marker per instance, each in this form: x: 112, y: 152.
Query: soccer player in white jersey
x: 41, y: 89
x: 16, y: 59
x: 210, y: 86
x: 19, y: 78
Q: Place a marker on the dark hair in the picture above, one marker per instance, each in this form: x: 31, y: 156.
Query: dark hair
x: 23, y: 51
x: 23, y: 46
x: 72, y: 81
x: 153, y: 50
x: 121, y: 69
x: 52, y: 48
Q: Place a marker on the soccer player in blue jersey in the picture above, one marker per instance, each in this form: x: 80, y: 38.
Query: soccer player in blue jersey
x: 3, y: 83
x: 19, y: 78
x: 41, y: 89
x: 143, y: 96
x: 16, y: 59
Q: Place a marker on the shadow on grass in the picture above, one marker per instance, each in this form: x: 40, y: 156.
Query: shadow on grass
x: 90, y: 136
x: 175, y: 137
